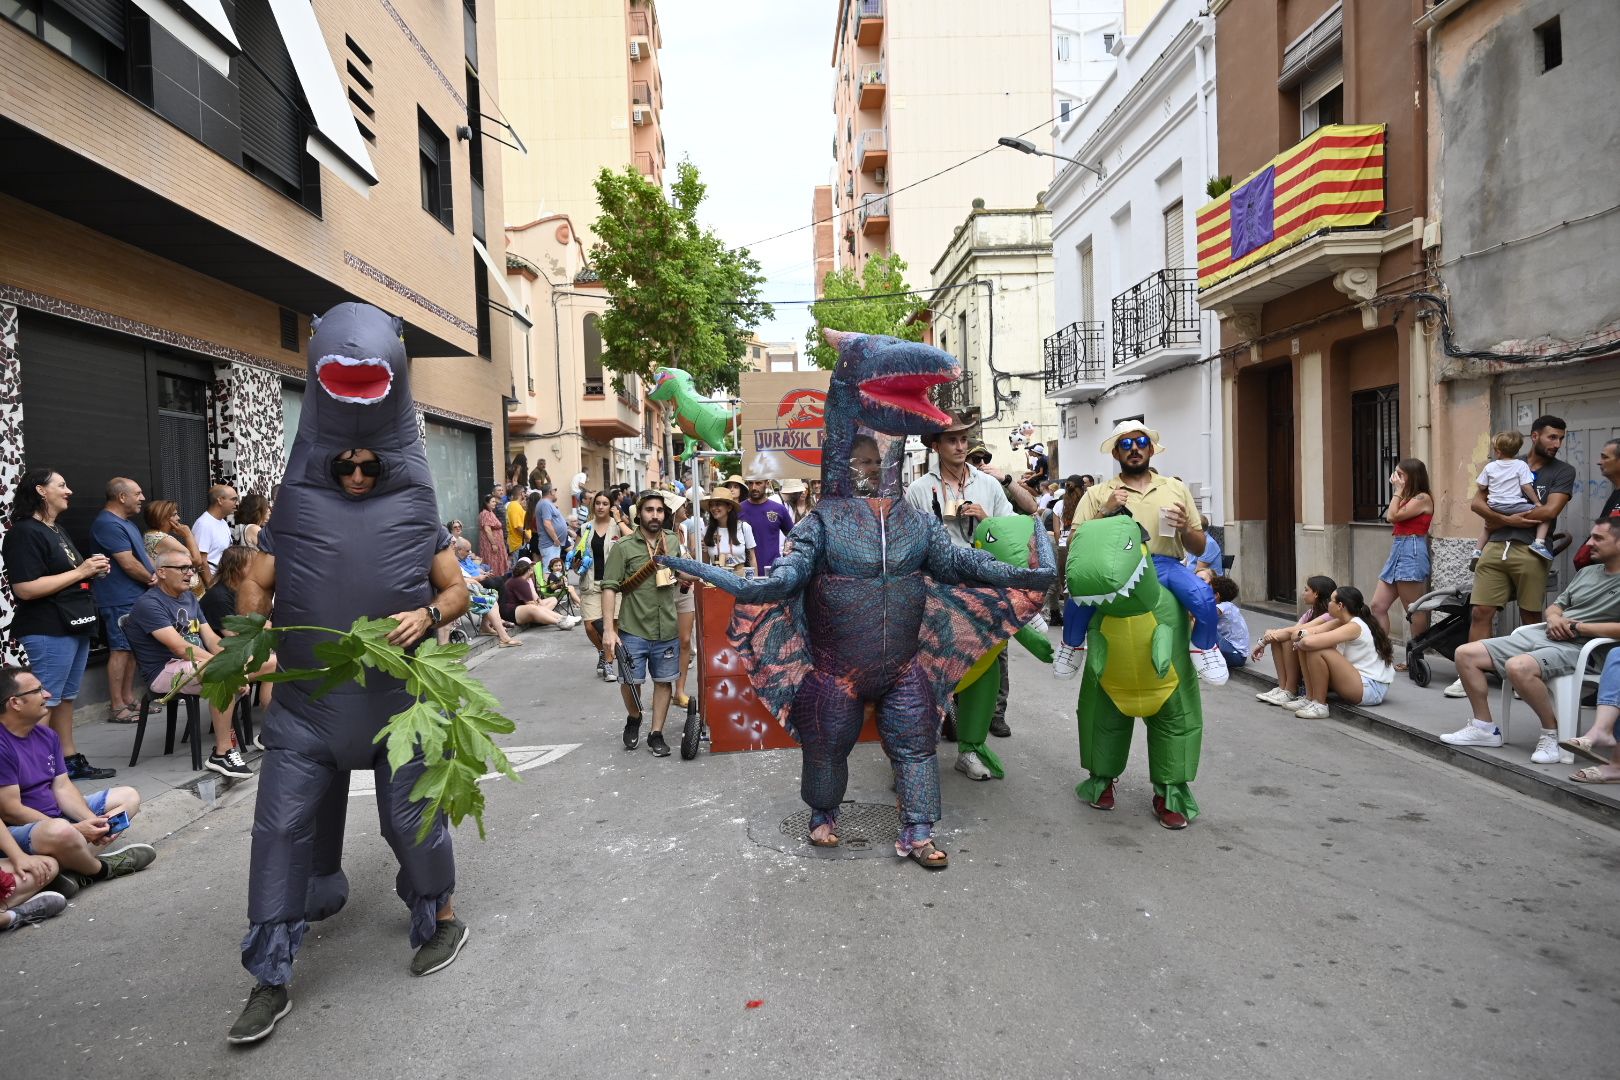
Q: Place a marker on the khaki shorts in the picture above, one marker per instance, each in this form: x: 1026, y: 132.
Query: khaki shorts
x: 590, y: 600
x: 1556, y: 658
x: 686, y: 600
x: 1509, y: 571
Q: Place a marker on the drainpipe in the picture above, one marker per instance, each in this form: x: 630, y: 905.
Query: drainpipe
x: 1209, y: 325
x: 1422, y: 378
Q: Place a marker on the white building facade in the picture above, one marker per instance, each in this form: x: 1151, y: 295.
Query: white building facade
x: 1083, y: 36
x: 1130, y: 340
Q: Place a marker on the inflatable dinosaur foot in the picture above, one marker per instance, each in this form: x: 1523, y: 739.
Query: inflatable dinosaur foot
x: 1091, y: 788
x: 1177, y: 797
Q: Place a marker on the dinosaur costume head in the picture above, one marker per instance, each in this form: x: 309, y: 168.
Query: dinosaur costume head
x: 879, y: 386
x: 665, y: 382
x: 1110, y: 567
x: 1007, y: 538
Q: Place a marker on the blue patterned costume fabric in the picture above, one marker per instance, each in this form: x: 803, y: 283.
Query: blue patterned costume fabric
x: 874, y: 604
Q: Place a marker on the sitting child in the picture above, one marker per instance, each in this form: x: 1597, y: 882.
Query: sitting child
x: 1230, y: 626
x: 1509, y: 488
x: 557, y: 582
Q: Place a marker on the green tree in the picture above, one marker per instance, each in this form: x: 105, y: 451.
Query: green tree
x: 876, y: 312
x: 680, y: 297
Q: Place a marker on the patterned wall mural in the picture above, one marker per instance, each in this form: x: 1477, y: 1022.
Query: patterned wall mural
x: 11, y: 463
x: 245, y: 431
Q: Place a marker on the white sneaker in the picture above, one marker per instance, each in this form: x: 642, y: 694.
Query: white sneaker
x: 1038, y: 624
x: 1547, y: 752
x: 1456, y: 690
x: 1474, y: 733
x: 1211, y: 666
x: 1275, y: 696
x: 1312, y: 710
x: 969, y: 765
x: 1067, y: 661
x: 610, y: 673
x: 569, y: 622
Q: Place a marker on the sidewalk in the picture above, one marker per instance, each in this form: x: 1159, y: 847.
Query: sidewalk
x: 1417, y: 717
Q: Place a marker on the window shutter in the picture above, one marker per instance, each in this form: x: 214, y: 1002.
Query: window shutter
x: 272, y: 124
x: 105, y: 17
x: 1175, y: 242
x: 1088, y: 306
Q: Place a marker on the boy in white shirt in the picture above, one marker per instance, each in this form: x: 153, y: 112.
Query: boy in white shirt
x: 1509, y: 488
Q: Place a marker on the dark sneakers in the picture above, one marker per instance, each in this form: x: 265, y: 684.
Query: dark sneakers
x: 655, y: 743
x: 999, y: 728
x: 36, y: 909
x: 265, y: 1005
x: 229, y: 764
x: 441, y: 950
x: 632, y: 732
x: 128, y: 860
x: 80, y: 769
x: 69, y: 883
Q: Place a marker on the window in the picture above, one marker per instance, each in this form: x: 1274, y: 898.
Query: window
x: 1062, y: 48
x: 1375, y: 449
x: 593, y: 357
x: 92, y: 32
x: 1063, y: 111
x: 1108, y: 43
x: 1549, y: 46
x: 1175, y: 242
x: 481, y: 298
x: 1088, y: 295
x: 435, y: 164
x: 1321, y: 98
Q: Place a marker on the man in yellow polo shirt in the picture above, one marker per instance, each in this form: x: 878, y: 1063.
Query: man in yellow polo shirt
x: 1165, y: 509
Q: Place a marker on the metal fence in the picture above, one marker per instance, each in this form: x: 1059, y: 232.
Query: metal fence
x: 1158, y: 312
x: 1075, y: 355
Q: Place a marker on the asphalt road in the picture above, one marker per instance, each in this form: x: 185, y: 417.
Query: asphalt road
x: 1344, y: 908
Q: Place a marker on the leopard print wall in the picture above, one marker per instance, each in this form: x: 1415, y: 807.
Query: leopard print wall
x: 245, y: 428
x: 11, y: 464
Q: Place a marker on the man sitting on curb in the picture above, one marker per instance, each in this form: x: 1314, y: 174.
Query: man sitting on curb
x: 1532, y: 655
x: 45, y: 813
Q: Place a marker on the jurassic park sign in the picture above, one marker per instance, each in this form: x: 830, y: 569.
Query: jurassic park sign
x: 783, y: 423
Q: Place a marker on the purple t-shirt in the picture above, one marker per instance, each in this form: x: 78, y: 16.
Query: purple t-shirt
x: 33, y: 763
x: 770, y: 521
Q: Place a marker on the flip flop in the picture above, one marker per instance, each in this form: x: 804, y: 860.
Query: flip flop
x: 1582, y: 746
x: 129, y: 714
x: 920, y: 853
x: 1592, y: 775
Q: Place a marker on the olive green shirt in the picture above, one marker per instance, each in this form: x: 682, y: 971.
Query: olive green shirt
x: 647, y: 611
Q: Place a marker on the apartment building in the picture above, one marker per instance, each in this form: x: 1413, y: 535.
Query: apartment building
x: 186, y: 183
x: 581, y: 84
x: 821, y: 218
x: 918, y: 88
x: 1084, y: 36
x: 776, y: 356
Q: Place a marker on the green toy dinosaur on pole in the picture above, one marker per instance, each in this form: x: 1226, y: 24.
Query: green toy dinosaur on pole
x: 699, y: 419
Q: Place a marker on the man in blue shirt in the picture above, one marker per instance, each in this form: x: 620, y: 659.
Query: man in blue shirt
x: 116, y: 535
x: 552, y: 527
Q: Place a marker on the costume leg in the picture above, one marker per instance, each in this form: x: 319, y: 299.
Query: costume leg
x: 907, y: 721
x: 975, y: 707
x: 328, y: 886
x: 826, y: 717
x: 1076, y: 621
x: 292, y: 791
x: 1105, y: 738
x: 427, y: 871
x: 1195, y: 595
x: 1175, y: 740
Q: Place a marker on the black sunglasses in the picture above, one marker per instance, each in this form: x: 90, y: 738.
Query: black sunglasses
x: 978, y: 460
x: 372, y: 469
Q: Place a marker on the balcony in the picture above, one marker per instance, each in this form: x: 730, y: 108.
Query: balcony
x: 873, y: 86
x: 869, y: 22
x: 872, y: 150
x: 641, y: 93
x: 1156, y: 321
x: 644, y: 163
x: 1076, y: 360
x: 958, y: 396
x: 606, y: 414
x: 873, y: 216
x: 640, y: 36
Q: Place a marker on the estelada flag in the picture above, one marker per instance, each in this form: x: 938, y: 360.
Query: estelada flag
x: 1333, y: 179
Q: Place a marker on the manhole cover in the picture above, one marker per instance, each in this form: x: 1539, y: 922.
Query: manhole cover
x: 868, y: 829
x: 859, y: 824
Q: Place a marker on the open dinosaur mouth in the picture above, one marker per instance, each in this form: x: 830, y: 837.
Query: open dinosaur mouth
x: 908, y: 393
x: 1124, y: 590
x: 357, y: 381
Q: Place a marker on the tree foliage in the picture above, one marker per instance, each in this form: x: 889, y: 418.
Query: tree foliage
x: 874, y: 313
x: 680, y: 297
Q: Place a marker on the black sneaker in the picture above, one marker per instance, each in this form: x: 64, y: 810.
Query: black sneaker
x: 655, y: 743
x: 632, y: 732
x: 80, y: 769
x: 69, y: 883
x: 440, y: 950
x: 265, y: 1005
x: 230, y: 764
x: 999, y: 728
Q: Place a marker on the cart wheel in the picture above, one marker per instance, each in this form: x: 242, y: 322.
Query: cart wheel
x: 693, y: 731
x: 1417, y: 669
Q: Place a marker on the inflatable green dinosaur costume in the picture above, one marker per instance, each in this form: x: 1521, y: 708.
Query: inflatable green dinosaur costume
x: 699, y: 419
x: 1137, y: 664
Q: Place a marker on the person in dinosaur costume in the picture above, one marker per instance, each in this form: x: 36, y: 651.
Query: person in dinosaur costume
x: 1008, y: 539
x: 1137, y: 664
x: 355, y: 532
x: 874, y: 604
x: 699, y: 419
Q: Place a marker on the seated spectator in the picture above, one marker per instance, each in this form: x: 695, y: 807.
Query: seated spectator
x: 1211, y: 559
x: 1347, y: 654
x: 557, y: 583
x: 521, y: 603
x: 23, y: 877
x: 251, y: 514
x: 1534, y: 654
x: 454, y: 527
x: 1598, y: 744
x: 1231, y: 627
x: 172, y: 643
x: 44, y: 813
x: 219, y: 602
x: 129, y: 573
x: 483, y: 596
x: 1288, y: 693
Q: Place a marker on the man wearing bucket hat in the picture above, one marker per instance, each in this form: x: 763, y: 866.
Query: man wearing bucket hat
x: 1165, y: 508
x: 639, y: 619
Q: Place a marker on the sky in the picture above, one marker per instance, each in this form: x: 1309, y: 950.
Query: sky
x: 748, y: 97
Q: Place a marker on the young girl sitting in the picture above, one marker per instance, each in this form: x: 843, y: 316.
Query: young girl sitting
x: 1348, y: 654
x: 1509, y: 488
x: 1318, y: 590
x: 557, y: 582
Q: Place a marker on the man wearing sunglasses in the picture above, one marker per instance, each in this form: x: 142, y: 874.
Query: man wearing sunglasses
x: 1165, y: 508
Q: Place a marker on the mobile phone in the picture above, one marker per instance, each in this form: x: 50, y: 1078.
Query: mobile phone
x: 117, y: 823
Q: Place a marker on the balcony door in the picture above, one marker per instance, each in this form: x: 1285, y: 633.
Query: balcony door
x: 1280, y: 454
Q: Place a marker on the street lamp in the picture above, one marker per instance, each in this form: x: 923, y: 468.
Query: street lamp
x: 1024, y: 146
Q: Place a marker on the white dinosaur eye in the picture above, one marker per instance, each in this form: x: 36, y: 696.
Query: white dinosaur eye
x: 989, y: 537
x: 1129, y: 543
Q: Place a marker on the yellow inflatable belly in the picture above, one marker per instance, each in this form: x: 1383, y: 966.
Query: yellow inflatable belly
x: 1129, y: 677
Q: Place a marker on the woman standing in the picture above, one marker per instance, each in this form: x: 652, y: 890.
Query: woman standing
x: 727, y: 541
x: 1316, y: 594
x: 492, y: 538
x: 56, y: 616
x: 596, y: 539
x: 251, y: 515
x: 1406, y: 572
x: 165, y: 532
x: 1348, y: 653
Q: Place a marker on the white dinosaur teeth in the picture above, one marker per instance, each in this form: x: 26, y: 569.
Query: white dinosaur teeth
x: 1124, y: 590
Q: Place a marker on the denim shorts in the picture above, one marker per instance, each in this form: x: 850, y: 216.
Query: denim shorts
x: 96, y: 800
x: 1372, y: 691
x: 1609, y: 682
x: 116, y: 641
x: 57, y: 660
x: 1408, y: 560
x: 637, y: 654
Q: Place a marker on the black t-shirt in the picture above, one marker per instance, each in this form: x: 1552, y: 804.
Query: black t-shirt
x: 1612, y: 507
x: 32, y: 550
x: 218, y: 603
x: 598, y: 554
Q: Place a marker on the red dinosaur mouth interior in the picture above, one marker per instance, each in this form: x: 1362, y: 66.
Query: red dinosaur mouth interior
x: 909, y: 393
x: 358, y: 381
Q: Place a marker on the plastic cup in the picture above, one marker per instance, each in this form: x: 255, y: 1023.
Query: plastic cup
x: 1165, y: 528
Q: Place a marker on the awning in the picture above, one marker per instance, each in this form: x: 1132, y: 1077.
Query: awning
x: 200, y: 25
x: 499, y: 274
x: 335, y: 141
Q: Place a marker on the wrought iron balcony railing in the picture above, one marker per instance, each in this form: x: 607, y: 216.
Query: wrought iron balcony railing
x: 1075, y: 355
x: 1158, y: 312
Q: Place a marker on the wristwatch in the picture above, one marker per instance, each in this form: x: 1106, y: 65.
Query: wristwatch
x: 433, y: 614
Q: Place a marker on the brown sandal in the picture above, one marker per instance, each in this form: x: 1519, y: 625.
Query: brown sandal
x: 920, y: 853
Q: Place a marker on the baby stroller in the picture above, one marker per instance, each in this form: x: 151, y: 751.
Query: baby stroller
x: 1448, y: 628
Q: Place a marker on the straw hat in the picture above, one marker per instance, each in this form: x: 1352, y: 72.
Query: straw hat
x: 720, y: 496
x: 1130, y: 427
x: 673, y: 503
x: 735, y: 480
x: 793, y: 486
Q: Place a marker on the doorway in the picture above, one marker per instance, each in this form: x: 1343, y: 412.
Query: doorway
x: 1280, y: 455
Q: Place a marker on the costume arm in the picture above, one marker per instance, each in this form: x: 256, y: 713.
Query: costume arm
x: 1161, y: 647
x: 968, y: 566
x: 788, y: 574
x: 1038, y: 644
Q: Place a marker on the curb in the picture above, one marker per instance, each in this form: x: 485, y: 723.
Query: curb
x: 1526, y: 781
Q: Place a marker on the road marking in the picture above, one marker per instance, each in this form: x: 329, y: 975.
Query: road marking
x: 522, y: 758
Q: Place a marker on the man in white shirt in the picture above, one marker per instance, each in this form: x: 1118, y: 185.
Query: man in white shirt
x: 210, y: 530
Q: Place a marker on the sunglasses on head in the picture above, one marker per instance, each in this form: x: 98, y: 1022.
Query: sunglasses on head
x: 372, y: 469
x: 1137, y: 442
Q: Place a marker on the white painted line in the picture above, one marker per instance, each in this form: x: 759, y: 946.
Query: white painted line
x: 522, y: 758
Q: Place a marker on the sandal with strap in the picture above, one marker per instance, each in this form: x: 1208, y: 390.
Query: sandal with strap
x: 1583, y: 746
x: 920, y: 855
x: 1592, y: 774
x: 129, y: 714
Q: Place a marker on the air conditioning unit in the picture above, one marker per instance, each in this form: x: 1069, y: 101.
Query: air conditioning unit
x: 635, y: 50
x: 880, y: 175
x: 638, y: 115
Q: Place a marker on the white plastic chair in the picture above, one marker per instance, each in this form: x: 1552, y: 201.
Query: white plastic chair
x: 1566, y: 693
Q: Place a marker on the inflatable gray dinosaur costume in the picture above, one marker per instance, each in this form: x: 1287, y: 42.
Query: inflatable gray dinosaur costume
x: 337, y: 558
